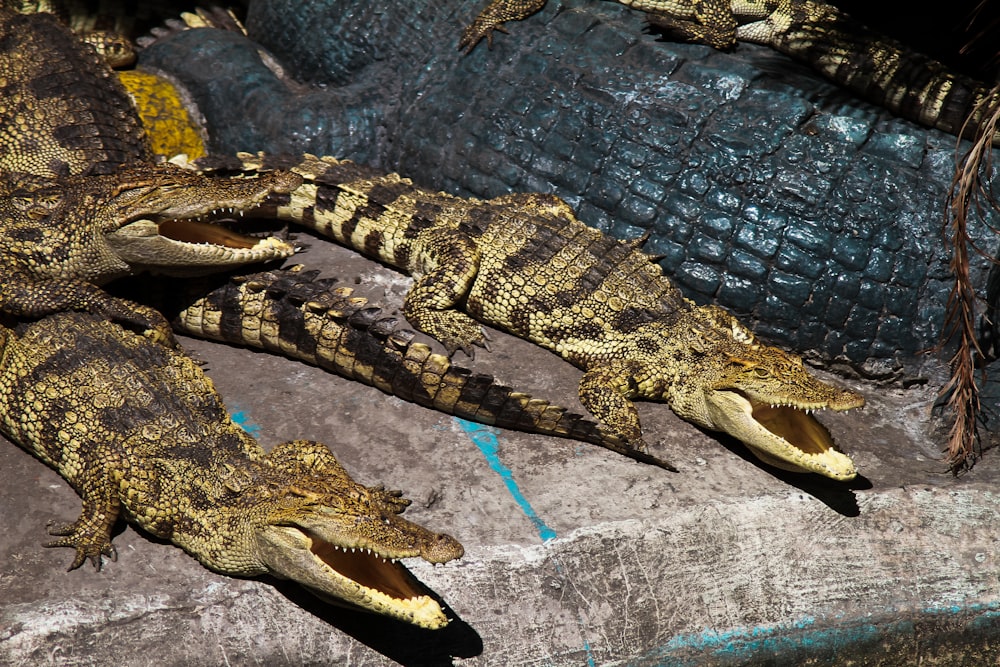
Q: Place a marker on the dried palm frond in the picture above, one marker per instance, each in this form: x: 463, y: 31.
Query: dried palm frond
x: 969, y: 195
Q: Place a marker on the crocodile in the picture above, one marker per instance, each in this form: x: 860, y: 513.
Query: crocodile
x: 76, y: 170
x: 140, y: 432
x: 66, y: 235
x: 524, y: 264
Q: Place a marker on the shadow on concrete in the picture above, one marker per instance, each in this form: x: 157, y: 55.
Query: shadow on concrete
x: 402, y: 642
x: 838, y: 496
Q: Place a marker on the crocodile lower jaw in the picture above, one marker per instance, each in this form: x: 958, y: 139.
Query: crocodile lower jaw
x: 187, y: 247
x: 786, y: 437
x: 358, y: 576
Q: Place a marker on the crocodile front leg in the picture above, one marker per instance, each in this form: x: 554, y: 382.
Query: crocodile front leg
x: 90, y: 534
x: 40, y: 298
x: 445, y: 270
x: 606, y: 391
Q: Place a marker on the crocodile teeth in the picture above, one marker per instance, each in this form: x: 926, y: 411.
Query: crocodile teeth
x: 366, y: 550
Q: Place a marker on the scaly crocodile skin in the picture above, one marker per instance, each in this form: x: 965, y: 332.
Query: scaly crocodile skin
x: 294, y: 313
x: 814, y: 217
x: 525, y: 264
x: 140, y: 432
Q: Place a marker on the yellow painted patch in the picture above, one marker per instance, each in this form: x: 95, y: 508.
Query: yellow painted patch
x: 170, y: 127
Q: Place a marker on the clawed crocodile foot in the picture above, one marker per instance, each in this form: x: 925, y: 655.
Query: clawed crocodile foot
x: 88, y: 542
x: 493, y: 16
x: 162, y: 337
x: 470, y: 348
x: 721, y: 38
x: 475, y: 34
x: 144, y: 319
x: 455, y: 330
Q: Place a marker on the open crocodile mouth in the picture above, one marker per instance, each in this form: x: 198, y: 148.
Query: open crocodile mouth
x: 174, y: 221
x: 383, y: 582
x: 200, y: 232
x: 359, y: 576
x: 378, y: 576
x: 191, y: 247
x: 785, y: 436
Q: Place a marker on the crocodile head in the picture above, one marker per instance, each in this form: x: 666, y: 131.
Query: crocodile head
x: 156, y: 217
x: 759, y: 394
x: 343, y: 540
x: 165, y: 220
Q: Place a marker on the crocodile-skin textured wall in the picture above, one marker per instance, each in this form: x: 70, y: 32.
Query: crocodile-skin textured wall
x: 815, y: 217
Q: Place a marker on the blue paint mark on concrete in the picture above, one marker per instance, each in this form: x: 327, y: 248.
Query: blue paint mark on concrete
x: 738, y: 646
x: 485, y: 438
x: 799, y: 638
x: 986, y: 622
x: 243, y: 420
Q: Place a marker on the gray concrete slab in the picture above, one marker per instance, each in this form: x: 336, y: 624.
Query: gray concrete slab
x: 574, y: 555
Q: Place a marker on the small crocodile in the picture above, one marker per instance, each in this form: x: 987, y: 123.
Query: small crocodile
x: 525, y: 264
x: 75, y: 170
x: 295, y: 313
x: 139, y: 431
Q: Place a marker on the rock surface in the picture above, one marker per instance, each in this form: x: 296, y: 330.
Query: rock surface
x: 573, y: 555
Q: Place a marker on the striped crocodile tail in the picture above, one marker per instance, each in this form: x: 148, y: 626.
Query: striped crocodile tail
x: 874, y: 66
x: 295, y: 313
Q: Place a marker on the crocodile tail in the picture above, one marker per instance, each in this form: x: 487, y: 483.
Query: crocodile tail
x: 875, y: 67
x: 295, y: 313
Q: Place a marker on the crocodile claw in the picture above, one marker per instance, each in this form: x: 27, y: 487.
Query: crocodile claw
x: 475, y: 34
x: 493, y: 17
x: 483, y: 341
x: 87, y: 546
